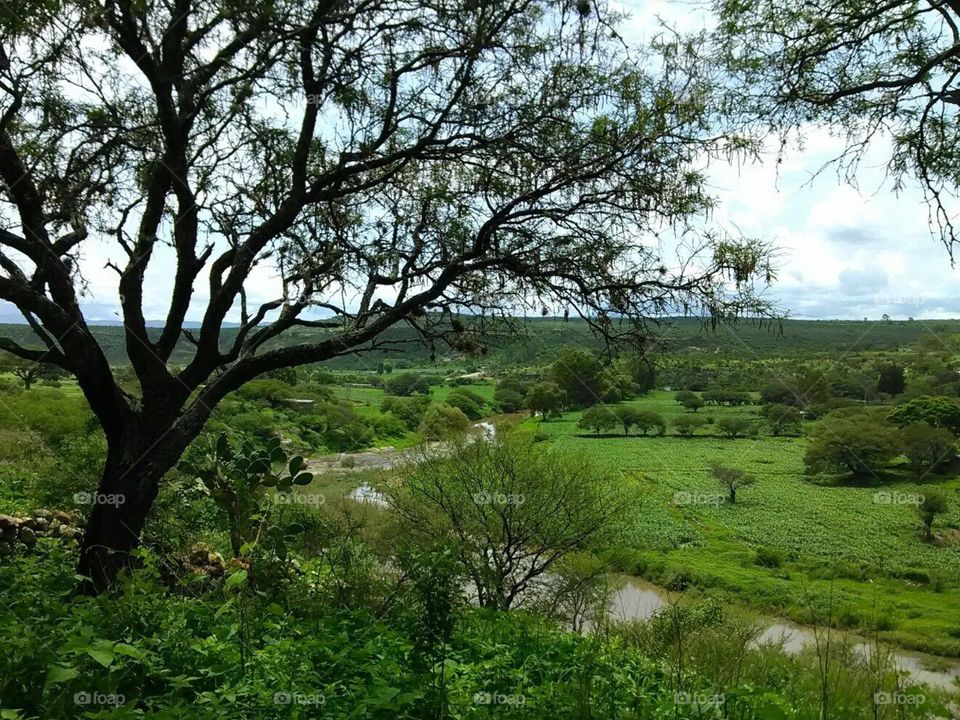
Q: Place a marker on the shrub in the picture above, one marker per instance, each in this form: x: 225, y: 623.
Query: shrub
x: 735, y: 427
x: 597, y: 418
x: 441, y: 421
x: 508, y: 400
x: 545, y: 398
x: 650, y: 423
x: 783, y: 419
x: 687, y: 425
x: 942, y: 412
x: 689, y: 400
x: 770, y: 557
x: 927, y: 448
x: 934, y: 503
x: 468, y: 401
x: 408, y: 410
x: 406, y: 384
x: 856, y: 444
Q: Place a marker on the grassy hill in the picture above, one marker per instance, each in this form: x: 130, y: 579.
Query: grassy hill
x: 538, y: 340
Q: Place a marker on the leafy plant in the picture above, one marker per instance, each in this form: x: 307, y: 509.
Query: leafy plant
x: 237, y: 477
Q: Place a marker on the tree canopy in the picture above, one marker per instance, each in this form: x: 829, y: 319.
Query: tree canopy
x: 385, y: 163
x: 871, y: 71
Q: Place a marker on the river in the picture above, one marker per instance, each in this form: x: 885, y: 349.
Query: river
x: 637, y: 599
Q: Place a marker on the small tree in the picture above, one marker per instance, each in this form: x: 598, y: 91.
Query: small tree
x: 30, y: 372
x: 508, y: 399
x: 649, y: 422
x: 511, y: 508
x: 442, y: 422
x: 472, y: 405
x: 732, y: 479
x: 628, y: 417
x: 409, y: 410
x: 934, y: 503
x: 928, y: 448
x: 597, y: 418
x: 734, y: 427
x: 890, y: 380
x: 689, y: 400
x: 406, y: 384
x: 546, y: 399
x: 935, y: 410
x: 577, y: 372
x: 855, y: 445
x: 686, y: 425
x: 783, y: 419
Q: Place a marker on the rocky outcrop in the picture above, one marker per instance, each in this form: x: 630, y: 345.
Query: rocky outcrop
x: 24, y: 531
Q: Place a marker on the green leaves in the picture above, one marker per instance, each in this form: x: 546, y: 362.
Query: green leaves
x: 60, y: 673
x: 103, y: 655
x: 236, y: 579
x: 303, y: 479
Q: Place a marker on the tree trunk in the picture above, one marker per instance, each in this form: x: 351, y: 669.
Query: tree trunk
x: 128, y: 487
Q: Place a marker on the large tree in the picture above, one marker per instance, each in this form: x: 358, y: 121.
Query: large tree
x: 872, y: 71
x: 385, y: 161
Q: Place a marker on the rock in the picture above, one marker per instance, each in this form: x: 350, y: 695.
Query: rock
x: 28, y: 522
x: 9, y: 523
x: 212, y: 570
x: 41, y: 523
x: 55, y: 525
x: 27, y: 536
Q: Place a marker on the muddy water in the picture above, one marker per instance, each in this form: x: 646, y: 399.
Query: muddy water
x: 636, y: 599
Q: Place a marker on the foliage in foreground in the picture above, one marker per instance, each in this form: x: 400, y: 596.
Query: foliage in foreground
x: 235, y: 653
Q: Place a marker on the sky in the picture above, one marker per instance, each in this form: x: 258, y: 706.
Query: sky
x: 841, y: 252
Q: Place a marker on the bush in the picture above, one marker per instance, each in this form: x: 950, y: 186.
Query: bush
x: 51, y: 413
x: 940, y: 412
x: 508, y: 400
x: 689, y: 400
x: 408, y: 410
x: 853, y: 443
x: 406, y: 384
x: 441, y: 421
x: 687, y: 425
x: 469, y: 402
x: 650, y: 423
x: 735, y: 427
x: 770, y: 557
x: 597, y: 418
x: 928, y: 448
x: 783, y: 419
x: 270, y: 391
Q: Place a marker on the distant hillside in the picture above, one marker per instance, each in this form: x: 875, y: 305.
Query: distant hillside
x: 542, y: 337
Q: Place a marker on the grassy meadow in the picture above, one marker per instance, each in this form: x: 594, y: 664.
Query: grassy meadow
x: 879, y: 570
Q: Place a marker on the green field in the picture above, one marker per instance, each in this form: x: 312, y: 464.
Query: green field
x: 881, y: 571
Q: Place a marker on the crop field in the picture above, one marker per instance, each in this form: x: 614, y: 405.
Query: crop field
x: 374, y: 396
x: 681, y: 530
